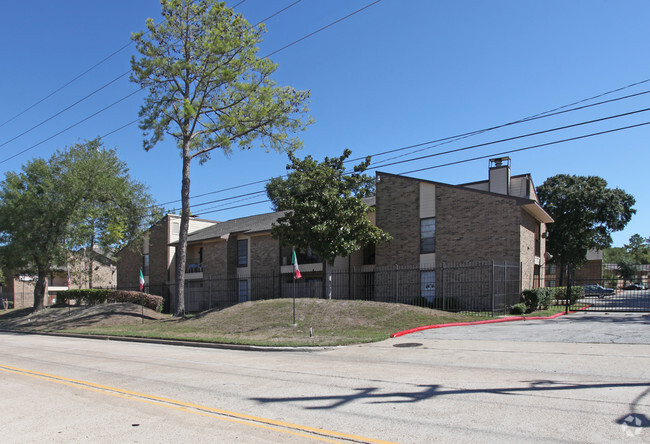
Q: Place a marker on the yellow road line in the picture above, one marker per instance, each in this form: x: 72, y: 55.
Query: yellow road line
x: 225, y: 415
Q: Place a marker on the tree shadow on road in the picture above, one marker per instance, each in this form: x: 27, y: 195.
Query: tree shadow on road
x: 374, y: 395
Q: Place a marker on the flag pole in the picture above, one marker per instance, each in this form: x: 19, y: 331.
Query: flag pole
x: 293, y: 257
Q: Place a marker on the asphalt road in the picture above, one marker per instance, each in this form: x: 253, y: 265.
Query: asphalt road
x: 412, y: 389
x: 583, y: 327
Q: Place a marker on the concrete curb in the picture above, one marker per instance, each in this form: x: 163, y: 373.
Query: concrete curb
x: 489, y: 321
x: 176, y: 342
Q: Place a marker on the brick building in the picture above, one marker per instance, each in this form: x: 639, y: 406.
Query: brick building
x: 498, y: 220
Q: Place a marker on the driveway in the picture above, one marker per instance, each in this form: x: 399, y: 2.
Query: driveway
x: 582, y: 327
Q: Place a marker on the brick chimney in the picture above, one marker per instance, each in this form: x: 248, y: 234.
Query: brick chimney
x: 500, y: 175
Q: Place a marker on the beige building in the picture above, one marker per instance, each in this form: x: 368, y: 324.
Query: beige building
x: 494, y: 223
x: 18, y: 289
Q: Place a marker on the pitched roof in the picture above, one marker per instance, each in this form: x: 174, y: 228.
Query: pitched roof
x: 245, y: 225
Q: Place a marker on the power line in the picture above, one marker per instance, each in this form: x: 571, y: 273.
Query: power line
x: 463, y: 148
x: 67, y: 84
x: 83, y: 74
x: 518, y: 137
x: 543, y: 115
x: 114, y: 80
x: 70, y: 127
x: 547, y: 144
x: 63, y: 110
x: 570, y: 139
x: 322, y: 29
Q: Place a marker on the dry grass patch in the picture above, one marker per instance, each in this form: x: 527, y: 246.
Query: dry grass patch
x: 269, y: 322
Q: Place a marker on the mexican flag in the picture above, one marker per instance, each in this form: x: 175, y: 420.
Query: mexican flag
x: 296, y: 270
x: 141, y: 280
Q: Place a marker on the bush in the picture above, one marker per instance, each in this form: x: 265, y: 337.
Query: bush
x: 94, y: 296
x: 536, y: 298
x: 559, y: 293
x: 518, y: 309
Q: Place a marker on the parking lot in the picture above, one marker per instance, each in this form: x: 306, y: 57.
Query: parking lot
x: 582, y: 327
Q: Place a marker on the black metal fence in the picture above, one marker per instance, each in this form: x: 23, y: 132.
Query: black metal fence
x: 485, y: 287
x: 602, y: 287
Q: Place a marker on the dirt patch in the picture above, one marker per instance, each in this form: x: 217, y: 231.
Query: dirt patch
x: 62, y: 318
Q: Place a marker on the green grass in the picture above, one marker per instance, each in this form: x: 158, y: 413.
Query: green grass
x: 264, y: 323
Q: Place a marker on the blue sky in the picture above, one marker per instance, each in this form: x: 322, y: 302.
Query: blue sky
x: 399, y: 73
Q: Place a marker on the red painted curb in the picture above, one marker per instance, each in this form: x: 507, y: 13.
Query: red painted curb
x: 489, y: 321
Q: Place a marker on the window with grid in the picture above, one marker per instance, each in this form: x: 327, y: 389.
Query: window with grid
x: 428, y: 235
x: 242, y: 253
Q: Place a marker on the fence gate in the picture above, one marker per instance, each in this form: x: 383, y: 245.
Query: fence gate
x: 600, y: 288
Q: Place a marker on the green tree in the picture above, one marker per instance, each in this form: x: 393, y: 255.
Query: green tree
x: 586, y: 212
x: 614, y: 255
x: 209, y: 90
x: 639, y: 249
x: 626, y: 270
x: 43, y: 209
x: 115, y: 209
x: 324, y: 208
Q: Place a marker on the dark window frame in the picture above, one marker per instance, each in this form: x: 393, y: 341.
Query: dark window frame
x: 242, y: 256
x: 427, y: 236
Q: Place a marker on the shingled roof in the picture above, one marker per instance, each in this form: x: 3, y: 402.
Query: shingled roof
x: 245, y: 225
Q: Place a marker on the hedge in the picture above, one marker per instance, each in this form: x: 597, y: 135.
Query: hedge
x: 94, y: 296
x: 536, y: 298
x: 559, y: 293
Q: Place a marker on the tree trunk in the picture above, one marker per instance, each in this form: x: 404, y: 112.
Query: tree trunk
x: 39, y: 291
x: 90, y: 259
x: 327, y: 280
x: 181, y: 251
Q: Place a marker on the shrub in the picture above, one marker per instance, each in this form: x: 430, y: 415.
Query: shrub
x: 559, y: 293
x: 94, y: 296
x: 535, y: 298
x: 518, y: 309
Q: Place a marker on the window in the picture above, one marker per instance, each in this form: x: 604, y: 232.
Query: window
x: 176, y: 228
x: 145, y: 264
x: 242, y: 253
x: 369, y: 254
x: 243, y: 291
x: 428, y: 235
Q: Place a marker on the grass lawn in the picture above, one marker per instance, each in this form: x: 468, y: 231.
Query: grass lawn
x: 265, y: 323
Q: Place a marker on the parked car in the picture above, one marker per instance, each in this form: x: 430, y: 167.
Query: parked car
x: 597, y: 290
x: 635, y: 287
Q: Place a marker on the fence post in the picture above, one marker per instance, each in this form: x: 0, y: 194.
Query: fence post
x: 493, y: 296
x: 444, y: 293
x: 396, y: 283
x: 505, y: 286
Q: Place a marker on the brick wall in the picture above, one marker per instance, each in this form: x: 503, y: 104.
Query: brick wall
x: 527, y: 257
x: 214, y: 259
x: 159, y: 254
x: 265, y: 255
x: 398, y: 213
x: 129, y: 261
x: 476, y: 226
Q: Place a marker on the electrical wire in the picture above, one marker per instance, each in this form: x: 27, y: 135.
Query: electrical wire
x: 542, y: 145
x: 109, y: 83
x: 322, y: 29
x: 459, y: 149
x: 84, y: 73
x: 70, y: 127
